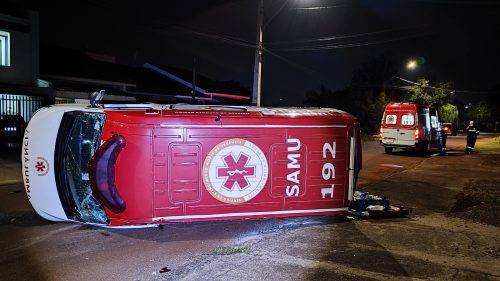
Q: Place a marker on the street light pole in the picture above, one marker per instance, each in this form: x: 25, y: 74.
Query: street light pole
x: 258, y: 56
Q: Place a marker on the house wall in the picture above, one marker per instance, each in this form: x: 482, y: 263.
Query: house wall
x: 24, y: 49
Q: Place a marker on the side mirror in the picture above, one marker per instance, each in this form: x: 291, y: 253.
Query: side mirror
x: 96, y: 97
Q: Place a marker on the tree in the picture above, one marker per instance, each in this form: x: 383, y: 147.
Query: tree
x: 423, y: 92
x: 493, y: 102
x: 368, y: 92
x: 376, y: 112
x: 448, y: 113
x: 318, y: 99
x: 482, y: 112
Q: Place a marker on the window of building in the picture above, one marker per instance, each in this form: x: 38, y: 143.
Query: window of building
x: 4, y: 48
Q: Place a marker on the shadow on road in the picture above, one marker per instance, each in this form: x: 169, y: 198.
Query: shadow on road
x: 357, y: 256
x: 216, y: 230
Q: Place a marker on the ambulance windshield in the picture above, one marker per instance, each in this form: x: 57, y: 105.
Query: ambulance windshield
x: 78, y: 139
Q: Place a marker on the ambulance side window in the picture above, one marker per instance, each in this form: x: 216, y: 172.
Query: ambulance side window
x: 434, y: 123
x: 391, y: 119
x: 408, y: 120
x: 434, y: 118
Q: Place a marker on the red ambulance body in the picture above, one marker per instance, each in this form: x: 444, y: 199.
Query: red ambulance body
x: 131, y: 166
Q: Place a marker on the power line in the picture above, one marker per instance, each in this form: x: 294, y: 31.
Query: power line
x: 350, y: 44
x: 337, y: 37
x: 276, y: 14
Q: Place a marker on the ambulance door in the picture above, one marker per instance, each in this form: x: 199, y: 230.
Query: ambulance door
x: 176, y: 172
x: 406, y: 131
x: 434, y: 122
x: 390, y: 128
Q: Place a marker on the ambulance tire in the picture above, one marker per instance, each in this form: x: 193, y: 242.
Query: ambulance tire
x: 388, y: 150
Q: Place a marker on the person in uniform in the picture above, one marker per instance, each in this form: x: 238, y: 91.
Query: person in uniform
x: 471, y: 137
x: 442, y: 140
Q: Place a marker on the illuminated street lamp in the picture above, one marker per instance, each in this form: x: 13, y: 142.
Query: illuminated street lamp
x: 412, y: 64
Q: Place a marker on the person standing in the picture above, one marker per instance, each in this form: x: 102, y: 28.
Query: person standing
x: 442, y: 140
x: 471, y: 137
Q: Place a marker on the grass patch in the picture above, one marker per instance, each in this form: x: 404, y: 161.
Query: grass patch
x: 488, y: 144
x: 486, y: 191
x: 222, y: 251
x: 479, y: 201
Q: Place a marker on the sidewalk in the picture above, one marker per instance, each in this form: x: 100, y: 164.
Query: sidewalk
x: 10, y: 167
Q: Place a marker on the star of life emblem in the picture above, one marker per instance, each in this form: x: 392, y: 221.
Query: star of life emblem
x: 41, y: 166
x: 235, y: 171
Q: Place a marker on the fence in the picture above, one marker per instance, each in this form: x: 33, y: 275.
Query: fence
x: 20, y: 105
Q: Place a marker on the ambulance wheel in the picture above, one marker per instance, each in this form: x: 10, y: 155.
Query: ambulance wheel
x: 388, y: 150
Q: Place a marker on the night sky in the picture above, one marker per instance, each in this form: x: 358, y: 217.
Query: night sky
x: 310, y: 42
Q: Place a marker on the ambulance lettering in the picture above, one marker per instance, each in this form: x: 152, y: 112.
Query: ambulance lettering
x: 294, y: 165
x: 328, y: 170
x: 26, y: 163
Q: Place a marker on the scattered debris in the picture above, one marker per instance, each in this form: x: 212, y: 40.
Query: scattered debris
x: 372, y: 206
x: 165, y: 269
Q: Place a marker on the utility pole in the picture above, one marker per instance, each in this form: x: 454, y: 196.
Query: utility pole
x: 258, y: 56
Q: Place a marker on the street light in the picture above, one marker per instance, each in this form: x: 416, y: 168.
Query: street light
x: 412, y: 64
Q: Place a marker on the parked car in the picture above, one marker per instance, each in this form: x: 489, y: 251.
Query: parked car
x: 449, y: 129
x: 140, y: 165
x: 11, y: 129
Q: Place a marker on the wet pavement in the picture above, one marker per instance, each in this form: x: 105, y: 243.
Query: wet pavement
x: 428, y: 245
x: 10, y: 166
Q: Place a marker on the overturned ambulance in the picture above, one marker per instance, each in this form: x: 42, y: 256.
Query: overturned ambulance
x: 148, y: 164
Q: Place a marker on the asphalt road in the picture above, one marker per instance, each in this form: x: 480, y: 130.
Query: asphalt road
x: 428, y: 245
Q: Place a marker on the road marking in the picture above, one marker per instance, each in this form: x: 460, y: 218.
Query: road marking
x: 391, y: 165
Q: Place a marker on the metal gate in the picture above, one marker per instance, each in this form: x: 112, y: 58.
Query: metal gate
x: 20, y: 105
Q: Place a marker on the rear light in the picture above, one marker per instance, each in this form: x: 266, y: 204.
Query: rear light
x: 102, y: 174
x: 381, y: 131
x: 417, y: 133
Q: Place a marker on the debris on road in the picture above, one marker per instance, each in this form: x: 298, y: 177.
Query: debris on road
x: 165, y: 269
x: 371, y: 206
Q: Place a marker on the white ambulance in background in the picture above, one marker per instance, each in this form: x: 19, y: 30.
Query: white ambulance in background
x: 410, y: 126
